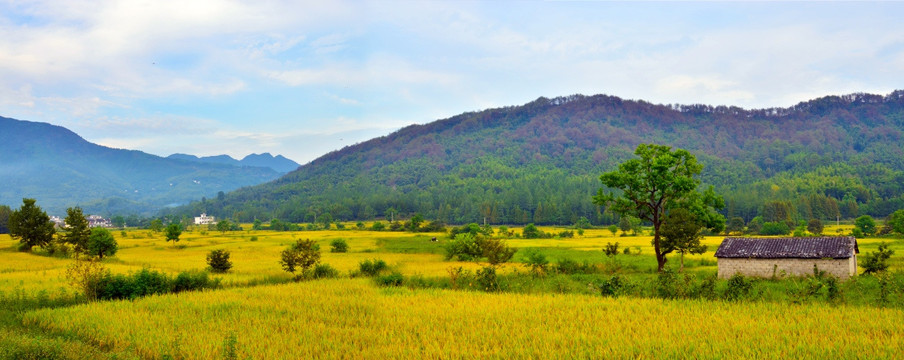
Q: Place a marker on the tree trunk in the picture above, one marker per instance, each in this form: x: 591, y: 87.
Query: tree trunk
x: 660, y: 258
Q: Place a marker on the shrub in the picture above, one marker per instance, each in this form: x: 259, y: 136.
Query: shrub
x: 254, y: 238
x: 775, y: 228
x: 815, y: 226
x: 339, y: 246
x: 393, y: 279
x: 611, y: 249
x: 532, y: 232
x: 537, y: 262
x: 302, y: 255
x: 88, y: 277
x: 738, y: 287
x: 707, y: 288
x: 464, y: 246
x: 218, y: 260
x: 877, y: 261
x: 486, y: 279
x: 378, y: 226
x: 614, y: 286
x: 325, y: 271
x: 194, y: 280
x: 566, y: 234
x: 372, y: 267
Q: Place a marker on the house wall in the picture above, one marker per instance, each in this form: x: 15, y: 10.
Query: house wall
x: 841, y: 268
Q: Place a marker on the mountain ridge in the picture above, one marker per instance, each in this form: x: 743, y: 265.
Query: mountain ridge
x: 61, y: 169
x: 539, y: 162
x: 278, y: 163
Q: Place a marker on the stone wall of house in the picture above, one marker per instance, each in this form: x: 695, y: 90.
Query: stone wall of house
x: 841, y: 268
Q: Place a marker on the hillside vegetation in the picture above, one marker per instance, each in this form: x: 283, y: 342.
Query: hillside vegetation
x: 836, y: 156
x: 60, y: 169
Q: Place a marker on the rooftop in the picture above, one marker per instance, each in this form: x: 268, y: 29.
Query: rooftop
x: 837, y: 247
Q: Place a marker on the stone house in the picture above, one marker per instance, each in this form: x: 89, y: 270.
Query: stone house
x: 766, y: 257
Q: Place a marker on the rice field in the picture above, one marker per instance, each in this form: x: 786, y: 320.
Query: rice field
x: 353, y: 318
x: 350, y: 318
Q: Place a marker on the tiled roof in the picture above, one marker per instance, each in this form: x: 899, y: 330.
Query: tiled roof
x: 839, y: 247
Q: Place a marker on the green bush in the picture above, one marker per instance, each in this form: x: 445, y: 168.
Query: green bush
x: 877, y: 261
x: 738, y: 288
x: 464, y: 246
x: 393, y: 279
x: 193, y: 281
x: 614, y: 286
x: 537, y: 262
x: 611, y: 249
x: 775, y: 228
x: 486, y: 279
x: 372, y: 267
x: 218, y: 260
x: 254, y: 238
x: 568, y: 266
x: 339, y: 246
x: 325, y: 271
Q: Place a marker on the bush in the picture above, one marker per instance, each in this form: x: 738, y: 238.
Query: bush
x: 738, y: 287
x: 532, y: 232
x: 218, y: 260
x: 611, y: 249
x: 877, y: 261
x: 568, y: 267
x: 775, y: 228
x: 254, y: 238
x: 325, y: 271
x: 88, y: 277
x: 339, y: 246
x: 101, y: 243
x: 194, y: 280
x: 486, y: 279
x: 372, y: 267
x: 393, y: 279
x: 614, y: 286
x: 537, y: 262
x: 566, y: 234
x: 464, y: 246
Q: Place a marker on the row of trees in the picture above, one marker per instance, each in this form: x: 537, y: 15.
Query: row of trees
x: 32, y: 227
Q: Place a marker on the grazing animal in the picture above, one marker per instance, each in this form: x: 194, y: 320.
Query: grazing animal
x: 433, y: 238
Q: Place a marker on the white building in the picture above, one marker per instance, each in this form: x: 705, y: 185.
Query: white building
x: 204, y: 219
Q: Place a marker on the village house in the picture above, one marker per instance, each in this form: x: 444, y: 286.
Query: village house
x: 99, y: 221
x: 204, y: 219
x: 767, y: 257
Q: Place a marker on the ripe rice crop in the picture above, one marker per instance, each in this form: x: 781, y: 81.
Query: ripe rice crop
x: 350, y: 318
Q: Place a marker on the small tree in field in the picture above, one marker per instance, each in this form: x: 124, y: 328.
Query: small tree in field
x: 223, y: 226
x: 302, y: 255
x: 877, y: 261
x: 77, y: 231
x: 218, y: 260
x: 31, y: 226
x: 101, y: 243
x: 173, y: 231
x: 815, y: 226
x: 681, y: 233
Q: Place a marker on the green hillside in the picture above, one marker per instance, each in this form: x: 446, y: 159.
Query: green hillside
x: 540, y: 162
x: 60, y: 169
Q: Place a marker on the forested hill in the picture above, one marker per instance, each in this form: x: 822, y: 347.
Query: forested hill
x: 60, y: 169
x: 540, y: 162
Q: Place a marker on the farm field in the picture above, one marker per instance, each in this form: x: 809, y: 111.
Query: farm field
x: 261, y: 313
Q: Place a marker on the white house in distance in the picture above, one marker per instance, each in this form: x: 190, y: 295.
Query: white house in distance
x: 765, y: 257
x: 99, y: 221
x: 204, y: 219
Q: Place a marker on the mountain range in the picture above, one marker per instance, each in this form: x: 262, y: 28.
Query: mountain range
x: 60, y: 169
x: 278, y: 163
x: 828, y: 158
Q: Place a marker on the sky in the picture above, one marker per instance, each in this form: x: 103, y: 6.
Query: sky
x: 302, y: 78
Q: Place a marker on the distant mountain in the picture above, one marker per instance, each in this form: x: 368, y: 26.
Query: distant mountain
x: 278, y: 163
x: 540, y: 162
x: 61, y: 169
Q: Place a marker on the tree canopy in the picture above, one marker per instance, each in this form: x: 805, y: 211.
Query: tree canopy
x: 660, y: 180
x: 77, y: 231
x: 31, y: 225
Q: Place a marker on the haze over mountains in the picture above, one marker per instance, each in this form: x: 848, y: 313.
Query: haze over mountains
x: 60, y: 169
x: 278, y: 162
x: 835, y: 156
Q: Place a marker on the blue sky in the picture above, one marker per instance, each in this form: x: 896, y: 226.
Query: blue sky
x: 297, y: 78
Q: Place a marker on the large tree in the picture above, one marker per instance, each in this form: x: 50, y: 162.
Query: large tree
x: 77, y: 230
x: 31, y: 225
x: 660, y: 180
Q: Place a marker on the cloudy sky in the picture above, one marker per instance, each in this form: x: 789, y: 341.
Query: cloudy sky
x: 298, y: 78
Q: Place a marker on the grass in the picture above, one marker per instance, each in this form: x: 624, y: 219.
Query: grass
x: 43, y: 317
